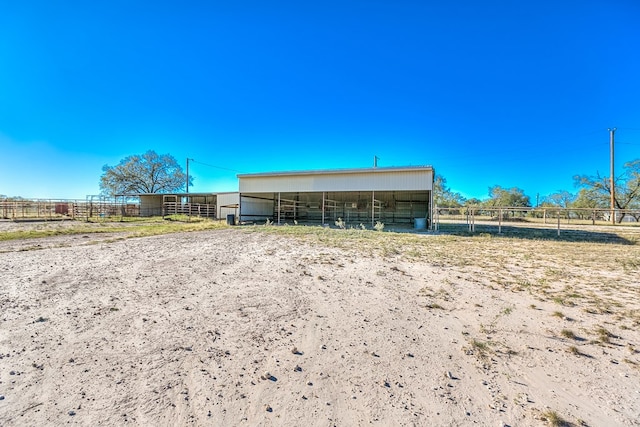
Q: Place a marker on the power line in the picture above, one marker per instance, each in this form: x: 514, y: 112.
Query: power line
x: 630, y: 129
x: 217, y: 167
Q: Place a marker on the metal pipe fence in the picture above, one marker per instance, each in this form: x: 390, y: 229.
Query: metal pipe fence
x: 60, y: 209
x: 189, y: 209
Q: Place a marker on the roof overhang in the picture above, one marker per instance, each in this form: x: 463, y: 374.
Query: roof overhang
x: 338, y: 171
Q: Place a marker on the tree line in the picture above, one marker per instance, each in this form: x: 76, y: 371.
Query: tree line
x: 593, y: 192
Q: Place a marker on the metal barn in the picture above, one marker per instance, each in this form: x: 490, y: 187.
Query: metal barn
x: 393, y: 195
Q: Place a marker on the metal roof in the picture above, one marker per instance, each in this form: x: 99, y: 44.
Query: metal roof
x: 339, y: 171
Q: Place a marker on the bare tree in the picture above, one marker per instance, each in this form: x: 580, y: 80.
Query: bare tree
x: 627, y: 186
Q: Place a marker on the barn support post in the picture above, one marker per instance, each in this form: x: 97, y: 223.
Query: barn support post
x: 278, y: 208
x: 430, y: 210
x: 473, y: 221
x: 373, y: 208
x: 323, y: 208
x: 500, y: 221
x: 436, y: 218
x: 558, y: 223
x: 411, y: 217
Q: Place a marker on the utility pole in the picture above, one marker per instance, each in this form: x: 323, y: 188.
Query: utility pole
x: 375, y: 161
x: 612, y: 183
x: 188, y: 174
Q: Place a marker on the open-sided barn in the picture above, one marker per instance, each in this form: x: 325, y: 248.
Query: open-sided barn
x: 389, y: 195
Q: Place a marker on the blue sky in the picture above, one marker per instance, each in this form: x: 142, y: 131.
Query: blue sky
x: 510, y: 93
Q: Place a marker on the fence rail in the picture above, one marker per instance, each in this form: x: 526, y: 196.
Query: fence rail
x: 59, y: 209
x: 546, y: 217
x: 190, y: 209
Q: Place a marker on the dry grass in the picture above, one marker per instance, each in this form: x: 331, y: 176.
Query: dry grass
x: 127, y: 228
x: 573, y: 271
x: 554, y: 419
x: 596, y: 283
x: 580, y: 273
x: 604, y: 336
x: 480, y: 348
x: 434, y: 305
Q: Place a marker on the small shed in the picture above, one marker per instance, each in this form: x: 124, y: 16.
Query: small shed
x: 393, y: 195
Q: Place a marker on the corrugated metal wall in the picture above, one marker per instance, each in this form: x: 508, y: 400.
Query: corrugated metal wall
x: 255, y: 208
x: 227, y: 199
x: 367, y: 180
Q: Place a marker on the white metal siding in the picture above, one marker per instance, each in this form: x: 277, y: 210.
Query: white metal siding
x: 225, y: 199
x: 223, y: 212
x: 393, y: 180
x: 256, y: 209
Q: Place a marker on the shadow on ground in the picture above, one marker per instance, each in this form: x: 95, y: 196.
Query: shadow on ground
x: 534, y: 233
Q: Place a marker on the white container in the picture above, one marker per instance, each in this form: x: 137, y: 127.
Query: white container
x: 420, y: 223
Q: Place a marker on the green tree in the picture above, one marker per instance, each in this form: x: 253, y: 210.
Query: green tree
x: 563, y: 199
x: 586, y: 200
x: 627, y: 188
x: 511, y: 197
x: 443, y: 196
x: 145, y: 173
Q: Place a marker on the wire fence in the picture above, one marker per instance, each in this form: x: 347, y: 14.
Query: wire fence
x: 500, y: 217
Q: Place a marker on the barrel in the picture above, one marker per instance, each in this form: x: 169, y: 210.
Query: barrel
x: 231, y: 219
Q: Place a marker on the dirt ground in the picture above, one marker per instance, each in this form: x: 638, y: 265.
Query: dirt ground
x: 242, y: 327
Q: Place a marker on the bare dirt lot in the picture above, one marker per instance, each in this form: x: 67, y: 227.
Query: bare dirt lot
x: 266, y: 326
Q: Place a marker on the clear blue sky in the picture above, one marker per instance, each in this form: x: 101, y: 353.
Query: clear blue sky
x: 513, y: 93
